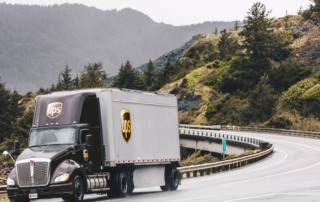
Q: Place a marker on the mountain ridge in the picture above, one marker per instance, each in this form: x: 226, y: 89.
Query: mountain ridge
x: 38, y: 41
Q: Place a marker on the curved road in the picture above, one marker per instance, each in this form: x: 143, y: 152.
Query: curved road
x: 291, y: 173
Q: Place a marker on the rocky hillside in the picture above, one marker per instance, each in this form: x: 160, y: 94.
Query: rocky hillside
x: 202, y: 100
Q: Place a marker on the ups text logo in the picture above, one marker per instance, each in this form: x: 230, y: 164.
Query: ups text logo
x: 54, y: 109
x: 125, y: 125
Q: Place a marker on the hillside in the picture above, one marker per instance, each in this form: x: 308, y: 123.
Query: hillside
x: 285, y: 96
x: 37, y: 42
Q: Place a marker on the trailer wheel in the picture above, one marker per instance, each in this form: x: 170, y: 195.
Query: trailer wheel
x: 174, y: 179
x: 123, y: 185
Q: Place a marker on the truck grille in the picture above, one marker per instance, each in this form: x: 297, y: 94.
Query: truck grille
x: 40, y: 172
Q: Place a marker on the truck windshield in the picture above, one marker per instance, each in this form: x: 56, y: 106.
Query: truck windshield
x: 52, y: 136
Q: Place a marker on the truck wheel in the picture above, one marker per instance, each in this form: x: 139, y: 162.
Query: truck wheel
x: 123, y: 185
x: 174, y: 179
x: 78, y: 189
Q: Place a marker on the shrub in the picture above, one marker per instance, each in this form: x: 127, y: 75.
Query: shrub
x: 292, y: 98
x: 197, y: 158
x: 278, y: 122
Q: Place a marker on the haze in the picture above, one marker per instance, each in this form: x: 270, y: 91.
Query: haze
x: 185, y: 12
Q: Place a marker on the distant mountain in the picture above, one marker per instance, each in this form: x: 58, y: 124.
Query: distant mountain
x: 36, y: 42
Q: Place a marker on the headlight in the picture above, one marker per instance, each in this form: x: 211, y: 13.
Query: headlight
x: 62, y: 178
x: 10, y: 182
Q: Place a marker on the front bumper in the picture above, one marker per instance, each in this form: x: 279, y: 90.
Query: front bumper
x: 56, y: 190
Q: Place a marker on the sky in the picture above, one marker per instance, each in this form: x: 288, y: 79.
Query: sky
x: 184, y: 12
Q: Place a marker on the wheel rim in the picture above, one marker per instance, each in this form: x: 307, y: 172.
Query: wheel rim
x: 124, y: 185
x: 78, y: 186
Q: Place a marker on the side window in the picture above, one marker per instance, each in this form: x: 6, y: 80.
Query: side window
x: 83, y: 133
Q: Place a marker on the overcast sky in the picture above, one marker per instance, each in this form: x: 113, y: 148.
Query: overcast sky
x: 185, y: 12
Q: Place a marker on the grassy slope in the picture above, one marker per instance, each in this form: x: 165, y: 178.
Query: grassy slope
x: 305, y: 51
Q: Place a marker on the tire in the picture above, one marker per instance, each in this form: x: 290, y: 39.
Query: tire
x: 123, y: 184
x: 174, y: 179
x: 78, y: 189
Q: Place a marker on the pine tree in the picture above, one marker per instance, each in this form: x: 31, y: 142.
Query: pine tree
x: 16, y: 108
x: 216, y: 30
x: 227, y: 44
x: 21, y: 130
x: 149, y: 75
x: 128, y: 78
x: 5, y: 120
x: 236, y: 26
x: 59, y: 84
x: 76, y: 83
x: 93, y: 76
x: 166, y: 72
x: 66, y: 82
x: 258, y: 33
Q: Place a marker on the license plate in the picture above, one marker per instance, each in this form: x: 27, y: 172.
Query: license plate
x: 33, y: 195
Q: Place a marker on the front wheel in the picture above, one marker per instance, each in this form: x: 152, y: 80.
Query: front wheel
x: 78, y: 189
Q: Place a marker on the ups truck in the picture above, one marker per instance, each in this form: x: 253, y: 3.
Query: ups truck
x: 98, y: 141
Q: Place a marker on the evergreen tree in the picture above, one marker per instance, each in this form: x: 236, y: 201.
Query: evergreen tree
x: 216, y: 30
x: 236, y: 26
x: 258, y: 33
x: 227, y: 44
x: 21, y: 130
x: 149, y: 75
x: 128, y: 78
x: 16, y: 108
x: 59, y: 84
x: 53, y: 88
x: 5, y: 117
x: 76, y: 83
x: 166, y: 72
x: 66, y: 82
x: 261, y: 102
x: 93, y: 76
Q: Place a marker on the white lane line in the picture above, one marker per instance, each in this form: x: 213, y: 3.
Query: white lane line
x: 273, y: 194
x: 275, y: 175
x: 192, y: 199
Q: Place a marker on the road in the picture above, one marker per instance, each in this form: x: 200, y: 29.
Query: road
x: 291, y: 173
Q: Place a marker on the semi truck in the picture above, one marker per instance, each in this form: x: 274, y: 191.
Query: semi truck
x: 106, y: 141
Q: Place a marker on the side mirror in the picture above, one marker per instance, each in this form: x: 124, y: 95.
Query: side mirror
x: 16, y: 147
x: 89, y: 140
x: 6, y: 153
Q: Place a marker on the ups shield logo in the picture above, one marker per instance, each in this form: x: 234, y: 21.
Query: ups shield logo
x: 54, y: 109
x: 125, y: 125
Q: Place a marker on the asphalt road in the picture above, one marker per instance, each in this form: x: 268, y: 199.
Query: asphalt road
x: 291, y: 173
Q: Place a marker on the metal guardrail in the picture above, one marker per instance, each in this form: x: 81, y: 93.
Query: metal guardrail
x: 256, y: 129
x: 214, y: 134
x: 208, y: 168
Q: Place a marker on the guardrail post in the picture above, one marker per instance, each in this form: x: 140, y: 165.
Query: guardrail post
x: 195, y: 173
x: 201, y: 172
x: 188, y: 174
x: 208, y: 171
